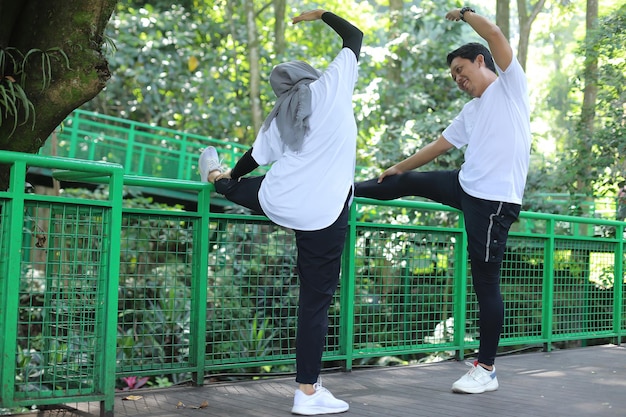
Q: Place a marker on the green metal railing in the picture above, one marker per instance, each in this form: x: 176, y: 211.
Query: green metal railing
x: 153, y: 151
x: 101, y: 294
x: 143, y: 149
x: 58, y: 310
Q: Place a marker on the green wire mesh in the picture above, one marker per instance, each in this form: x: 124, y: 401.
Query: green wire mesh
x: 403, y: 292
x: 60, y: 322
x: 155, y: 293
x: 252, y: 293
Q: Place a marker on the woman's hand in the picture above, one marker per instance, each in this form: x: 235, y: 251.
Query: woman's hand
x: 308, y: 16
x: 224, y: 175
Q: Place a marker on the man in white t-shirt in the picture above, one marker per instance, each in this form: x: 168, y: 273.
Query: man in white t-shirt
x: 309, y: 138
x: 495, y: 129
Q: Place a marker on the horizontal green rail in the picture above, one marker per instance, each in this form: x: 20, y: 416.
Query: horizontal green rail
x: 112, y: 292
x: 153, y: 151
x: 143, y: 149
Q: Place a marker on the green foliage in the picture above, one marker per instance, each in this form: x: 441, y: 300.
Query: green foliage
x: 14, y: 102
x: 13, y: 99
x: 190, y: 71
x: 46, y: 63
x: 609, y: 144
x: 186, y: 66
x: 399, y: 113
x: 154, y: 293
x: 157, y: 81
x: 591, y: 164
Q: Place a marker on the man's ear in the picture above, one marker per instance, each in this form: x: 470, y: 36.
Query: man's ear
x: 480, y: 59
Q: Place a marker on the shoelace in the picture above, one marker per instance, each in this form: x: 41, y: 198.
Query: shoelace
x: 318, y: 385
x: 217, y: 165
x: 475, y: 366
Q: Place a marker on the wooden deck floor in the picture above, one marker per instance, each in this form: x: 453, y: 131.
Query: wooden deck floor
x: 587, y: 381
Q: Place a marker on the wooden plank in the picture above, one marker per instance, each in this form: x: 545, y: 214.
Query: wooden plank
x: 573, y: 382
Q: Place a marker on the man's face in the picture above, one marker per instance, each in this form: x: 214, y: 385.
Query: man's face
x: 467, y: 76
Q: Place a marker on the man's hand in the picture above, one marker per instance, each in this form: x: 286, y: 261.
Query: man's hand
x: 389, y: 172
x: 454, y: 14
x: 308, y: 16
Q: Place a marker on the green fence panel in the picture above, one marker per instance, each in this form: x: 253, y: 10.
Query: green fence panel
x: 58, y: 272
x: 157, y: 283
x: 405, y: 279
x: 162, y: 287
x: 523, y: 290
x: 252, y: 294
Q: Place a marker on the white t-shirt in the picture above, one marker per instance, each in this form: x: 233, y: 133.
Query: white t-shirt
x: 306, y: 190
x: 496, y: 130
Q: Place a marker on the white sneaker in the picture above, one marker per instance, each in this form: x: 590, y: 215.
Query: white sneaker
x: 322, y: 402
x: 477, y: 380
x: 209, y: 161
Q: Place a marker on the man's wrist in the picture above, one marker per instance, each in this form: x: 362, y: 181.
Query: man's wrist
x: 465, y: 9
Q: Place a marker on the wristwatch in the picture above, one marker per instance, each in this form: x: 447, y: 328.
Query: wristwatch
x: 466, y: 9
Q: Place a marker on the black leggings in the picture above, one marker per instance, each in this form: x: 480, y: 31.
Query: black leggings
x: 319, y: 265
x: 244, y: 191
x: 487, y: 224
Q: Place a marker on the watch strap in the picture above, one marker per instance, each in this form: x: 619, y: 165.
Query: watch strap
x: 466, y: 9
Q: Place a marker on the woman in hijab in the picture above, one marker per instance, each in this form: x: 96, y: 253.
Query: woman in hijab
x: 309, y: 138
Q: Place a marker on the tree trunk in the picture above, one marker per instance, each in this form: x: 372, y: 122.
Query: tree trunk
x: 591, y: 70
x: 280, y: 7
x: 525, y: 22
x: 76, y: 28
x: 503, y: 16
x: 582, y: 142
x: 253, y: 58
x: 588, y: 112
x: 395, y: 18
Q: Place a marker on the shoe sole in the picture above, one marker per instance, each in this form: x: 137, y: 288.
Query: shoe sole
x: 313, y: 411
x: 203, y: 175
x: 479, y: 390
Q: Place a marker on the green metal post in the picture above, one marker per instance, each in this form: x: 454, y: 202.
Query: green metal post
x: 11, y: 283
x: 460, y: 291
x: 74, y: 134
x: 139, y: 170
x: 548, y: 287
x: 618, y: 282
x: 182, y: 153
x: 116, y: 193
x: 199, y: 285
x: 346, y: 341
x: 130, y: 152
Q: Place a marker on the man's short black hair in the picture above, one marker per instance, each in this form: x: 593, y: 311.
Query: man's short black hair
x: 471, y: 51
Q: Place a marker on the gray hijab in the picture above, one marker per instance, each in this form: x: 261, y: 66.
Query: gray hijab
x: 290, y: 82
